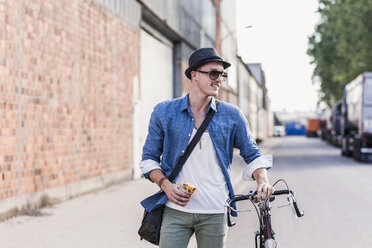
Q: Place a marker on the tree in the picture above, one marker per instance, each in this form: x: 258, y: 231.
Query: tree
x: 341, y: 46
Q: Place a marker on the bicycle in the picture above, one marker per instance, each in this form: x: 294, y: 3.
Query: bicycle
x: 266, y: 233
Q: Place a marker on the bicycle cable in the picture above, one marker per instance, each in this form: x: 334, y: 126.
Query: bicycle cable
x: 283, y: 182
x: 258, y: 214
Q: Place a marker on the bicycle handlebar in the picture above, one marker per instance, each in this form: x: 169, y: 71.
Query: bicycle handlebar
x: 253, y: 194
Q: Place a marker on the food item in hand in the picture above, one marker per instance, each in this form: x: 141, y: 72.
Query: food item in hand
x: 188, y: 188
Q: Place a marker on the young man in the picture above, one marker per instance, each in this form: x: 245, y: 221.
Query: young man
x: 172, y: 126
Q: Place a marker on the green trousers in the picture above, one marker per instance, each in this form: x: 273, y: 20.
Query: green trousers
x: 178, y: 227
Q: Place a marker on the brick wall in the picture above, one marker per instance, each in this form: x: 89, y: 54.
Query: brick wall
x: 66, y: 74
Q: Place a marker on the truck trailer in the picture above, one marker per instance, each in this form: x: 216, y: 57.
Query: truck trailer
x: 312, y: 128
x: 325, y: 124
x: 335, y: 137
x: 356, y: 118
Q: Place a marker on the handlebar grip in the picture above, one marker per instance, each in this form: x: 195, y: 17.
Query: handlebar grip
x: 298, y: 212
x: 283, y: 192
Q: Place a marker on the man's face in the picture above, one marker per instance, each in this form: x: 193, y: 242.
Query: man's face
x: 203, y: 83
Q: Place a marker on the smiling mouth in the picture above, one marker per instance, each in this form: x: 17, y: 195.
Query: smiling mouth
x: 215, y: 85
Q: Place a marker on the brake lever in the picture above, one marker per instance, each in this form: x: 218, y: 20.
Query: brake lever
x: 230, y: 209
x: 294, y: 207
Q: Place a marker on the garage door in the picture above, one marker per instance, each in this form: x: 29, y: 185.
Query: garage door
x: 156, y: 84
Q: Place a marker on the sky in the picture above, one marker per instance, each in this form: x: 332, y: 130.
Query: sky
x: 278, y: 39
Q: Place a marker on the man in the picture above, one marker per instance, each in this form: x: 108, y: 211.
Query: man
x: 172, y: 125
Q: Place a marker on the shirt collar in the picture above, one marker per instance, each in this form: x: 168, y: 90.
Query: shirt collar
x: 213, y: 104
x: 185, y: 104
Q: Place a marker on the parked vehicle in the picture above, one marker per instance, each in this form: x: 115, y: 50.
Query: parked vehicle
x: 295, y: 128
x: 323, y: 129
x: 279, y: 131
x: 356, y: 118
x: 335, y: 137
x: 312, y: 127
x: 325, y: 126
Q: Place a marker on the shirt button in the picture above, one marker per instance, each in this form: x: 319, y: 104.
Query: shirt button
x: 192, y: 119
x: 183, y: 151
x: 189, y: 135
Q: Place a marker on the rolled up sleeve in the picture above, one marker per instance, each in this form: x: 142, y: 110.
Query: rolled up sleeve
x: 148, y: 165
x: 264, y: 161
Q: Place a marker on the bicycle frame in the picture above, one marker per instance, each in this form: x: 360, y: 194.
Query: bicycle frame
x: 266, y: 234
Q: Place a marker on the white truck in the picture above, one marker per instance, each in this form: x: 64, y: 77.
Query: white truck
x: 356, y: 118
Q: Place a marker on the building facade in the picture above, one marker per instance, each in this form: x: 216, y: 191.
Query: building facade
x: 253, y: 99
x: 79, y: 79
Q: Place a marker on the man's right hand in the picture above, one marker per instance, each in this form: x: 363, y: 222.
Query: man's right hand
x: 171, y: 190
x: 174, y: 194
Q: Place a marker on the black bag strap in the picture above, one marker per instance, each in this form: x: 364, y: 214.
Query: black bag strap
x: 193, y: 143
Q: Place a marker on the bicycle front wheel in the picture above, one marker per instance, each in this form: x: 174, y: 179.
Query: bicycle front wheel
x: 270, y: 243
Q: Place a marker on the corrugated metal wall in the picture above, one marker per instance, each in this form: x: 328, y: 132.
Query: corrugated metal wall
x: 130, y: 10
x: 194, y: 19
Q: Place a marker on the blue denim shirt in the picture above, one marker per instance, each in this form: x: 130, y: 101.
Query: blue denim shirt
x: 169, y: 132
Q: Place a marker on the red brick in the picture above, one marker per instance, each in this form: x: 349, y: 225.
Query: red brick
x: 76, y: 107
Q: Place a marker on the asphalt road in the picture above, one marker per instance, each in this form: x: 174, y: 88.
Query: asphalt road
x: 335, y: 193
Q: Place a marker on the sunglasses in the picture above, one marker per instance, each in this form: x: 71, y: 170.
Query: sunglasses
x: 215, y: 74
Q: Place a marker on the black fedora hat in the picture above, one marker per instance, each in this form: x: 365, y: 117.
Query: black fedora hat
x: 203, y: 56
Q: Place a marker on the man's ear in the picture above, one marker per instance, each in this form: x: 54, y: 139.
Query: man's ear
x: 193, y: 74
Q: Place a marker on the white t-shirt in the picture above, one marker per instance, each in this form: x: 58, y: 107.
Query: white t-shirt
x: 202, y: 170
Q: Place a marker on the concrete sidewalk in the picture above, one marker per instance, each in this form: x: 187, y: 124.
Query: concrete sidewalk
x: 108, y: 218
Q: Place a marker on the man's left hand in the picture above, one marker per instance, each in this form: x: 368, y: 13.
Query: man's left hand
x: 264, y: 189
